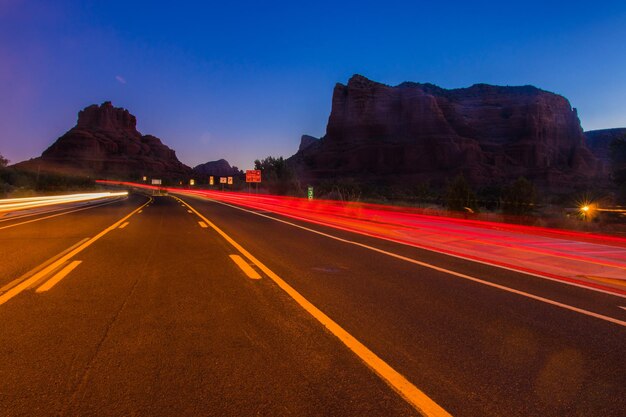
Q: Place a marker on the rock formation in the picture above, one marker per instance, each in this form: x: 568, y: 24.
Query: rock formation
x: 412, y: 131
x: 105, y: 143
x: 306, y: 141
x: 219, y: 168
x: 599, y: 141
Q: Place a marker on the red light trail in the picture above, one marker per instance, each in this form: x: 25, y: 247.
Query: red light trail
x: 589, y: 260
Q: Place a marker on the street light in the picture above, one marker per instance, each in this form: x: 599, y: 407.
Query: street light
x: 588, y: 211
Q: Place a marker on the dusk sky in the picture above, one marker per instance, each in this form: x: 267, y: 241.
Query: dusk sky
x: 244, y: 80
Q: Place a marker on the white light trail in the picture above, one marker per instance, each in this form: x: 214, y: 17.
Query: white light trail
x: 14, y: 204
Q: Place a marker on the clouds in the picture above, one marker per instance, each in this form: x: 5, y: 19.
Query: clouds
x: 120, y: 79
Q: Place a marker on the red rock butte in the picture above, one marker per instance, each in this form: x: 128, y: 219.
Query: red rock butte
x: 105, y: 143
x: 421, y: 132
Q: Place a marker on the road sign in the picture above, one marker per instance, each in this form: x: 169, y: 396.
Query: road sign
x: 211, y: 180
x: 223, y: 180
x: 230, y: 180
x: 310, y: 193
x: 156, y: 181
x: 253, y: 175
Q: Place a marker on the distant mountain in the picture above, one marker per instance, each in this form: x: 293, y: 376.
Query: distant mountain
x: 219, y: 168
x: 105, y: 143
x: 421, y: 132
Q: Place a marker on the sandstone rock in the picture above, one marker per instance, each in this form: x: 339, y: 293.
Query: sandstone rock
x: 105, y: 143
x: 306, y: 141
x: 599, y: 141
x: 413, y: 131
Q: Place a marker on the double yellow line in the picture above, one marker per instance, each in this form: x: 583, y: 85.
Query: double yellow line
x: 54, y: 266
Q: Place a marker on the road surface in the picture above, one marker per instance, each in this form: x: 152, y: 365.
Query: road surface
x: 163, y: 306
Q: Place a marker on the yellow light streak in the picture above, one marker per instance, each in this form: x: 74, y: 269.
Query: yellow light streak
x: 15, y: 204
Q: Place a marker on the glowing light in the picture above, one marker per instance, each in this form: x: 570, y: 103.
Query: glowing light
x: 588, y: 210
x: 14, y: 204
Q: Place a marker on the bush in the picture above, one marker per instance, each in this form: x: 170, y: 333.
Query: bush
x: 519, y: 198
x: 460, y: 197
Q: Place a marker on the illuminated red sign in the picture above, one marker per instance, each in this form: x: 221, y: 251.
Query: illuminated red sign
x: 253, y: 175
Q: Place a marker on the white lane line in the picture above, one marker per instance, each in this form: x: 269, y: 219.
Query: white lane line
x: 55, y: 215
x: 203, y: 225
x: 447, y: 271
x: 123, y: 225
x: 54, y: 265
x: 430, y: 249
x: 58, y: 276
x: 189, y: 211
x: 245, y: 267
x: 420, y: 401
x: 623, y: 308
x: 139, y: 211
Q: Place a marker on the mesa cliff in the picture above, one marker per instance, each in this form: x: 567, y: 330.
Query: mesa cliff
x: 599, y: 142
x: 105, y: 143
x: 421, y: 132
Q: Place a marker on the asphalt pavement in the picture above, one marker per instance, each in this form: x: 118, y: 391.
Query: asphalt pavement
x: 158, y: 306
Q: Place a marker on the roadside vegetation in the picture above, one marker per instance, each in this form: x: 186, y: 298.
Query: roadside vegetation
x: 18, y: 183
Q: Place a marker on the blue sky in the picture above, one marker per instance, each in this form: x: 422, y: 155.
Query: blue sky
x: 243, y: 80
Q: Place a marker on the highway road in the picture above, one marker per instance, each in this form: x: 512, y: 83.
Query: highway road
x: 167, y: 305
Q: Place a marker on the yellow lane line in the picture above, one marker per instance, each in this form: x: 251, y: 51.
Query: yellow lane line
x: 53, y: 266
x: 203, y: 225
x: 41, y: 266
x: 420, y: 401
x: 245, y: 267
x: 123, y: 225
x: 58, y: 276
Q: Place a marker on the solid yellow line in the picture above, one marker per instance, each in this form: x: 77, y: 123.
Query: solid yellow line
x: 58, y: 277
x: 50, y: 268
x: 393, y: 378
x: 124, y: 225
x: 247, y: 269
x: 203, y: 225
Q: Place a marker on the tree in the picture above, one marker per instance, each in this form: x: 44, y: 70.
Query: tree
x: 277, y: 175
x: 519, y: 198
x: 459, y: 196
x: 3, y: 161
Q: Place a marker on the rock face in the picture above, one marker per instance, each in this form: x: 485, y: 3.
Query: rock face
x: 220, y: 168
x: 414, y: 131
x: 599, y: 141
x: 105, y: 143
x: 306, y: 141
